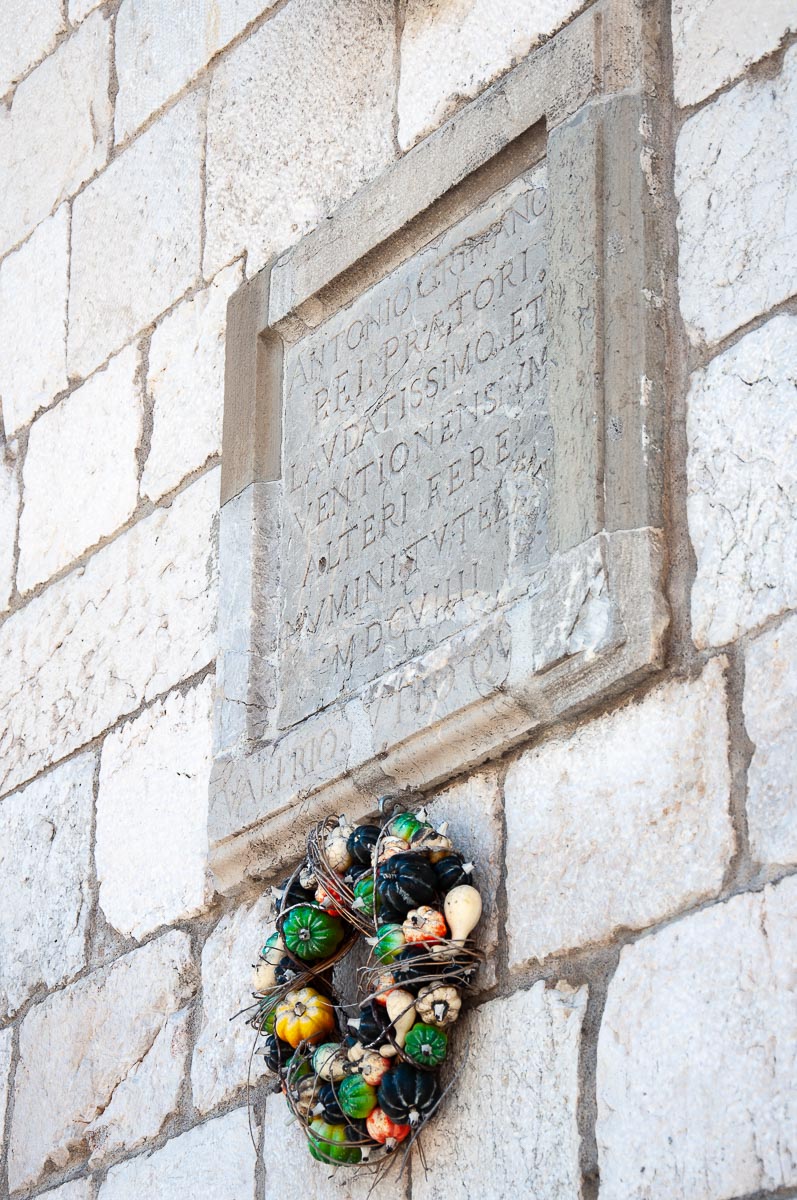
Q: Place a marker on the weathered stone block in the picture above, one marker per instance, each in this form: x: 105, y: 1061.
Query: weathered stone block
x: 162, y: 44
x: 742, y: 484
x: 130, y: 624
x: 714, y: 42
x: 696, y: 1056
x: 510, y: 1120
x: 29, y: 32
x: 622, y: 823
x: 80, y: 9
x: 135, y: 236
x: 450, y: 51
x: 57, y: 131
x: 45, y: 864
x: 305, y: 137
x: 84, y: 452
x: 737, y: 221
x: 221, y: 1061
x: 152, y: 842
x: 114, y: 1037
x: 9, y: 514
x: 33, y: 290
x: 186, y: 382
x: 219, y: 1153
x: 79, y: 1189
x: 770, y: 715
x: 6, y: 1045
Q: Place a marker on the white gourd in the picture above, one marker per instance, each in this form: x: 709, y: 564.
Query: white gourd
x: 401, y: 1010
x: 264, y: 977
x: 462, y: 908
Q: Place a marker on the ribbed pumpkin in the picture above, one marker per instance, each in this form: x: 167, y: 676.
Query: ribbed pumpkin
x: 390, y: 941
x: 304, y: 1015
x: 407, y: 1094
x: 310, y: 933
x: 357, y: 1098
x: 330, y: 1106
x: 288, y: 896
x: 383, y: 1130
x: 373, y: 1022
x: 328, y: 1143
x: 452, y: 871
x: 426, y: 1045
x: 276, y: 1052
x: 406, y: 881
x: 404, y: 825
x: 362, y: 841
x: 364, y: 894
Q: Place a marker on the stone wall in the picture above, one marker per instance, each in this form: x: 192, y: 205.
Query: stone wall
x: 635, y: 1036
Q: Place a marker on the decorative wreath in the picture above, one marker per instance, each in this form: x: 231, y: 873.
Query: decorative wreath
x: 361, y: 1085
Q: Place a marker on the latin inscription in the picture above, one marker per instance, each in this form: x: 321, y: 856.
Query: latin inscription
x: 417, y: 454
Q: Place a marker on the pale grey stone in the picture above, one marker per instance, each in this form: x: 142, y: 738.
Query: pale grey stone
x: 770, y: 715
x: 30, y: 31
x: 84, y: 452
x: 57, y: 131
x: 135, y: 236
x: 737, y: 195
x: 152, y: 843
x: 45, y: 864
x: 80, y: 9
x: 9, y: 515
x: 620, y: 824
x: 304, y: 135
x: 6, y: 1046
x: 742, y: 484
x: 450, y: 51
x: 86, y: 1078
x: 33, y: 290
x: 223, y: 1060
x: 124, y: 628
x: 78, y: 1189
x: 714, y: 42
x: 162, y: 44
x: 696, y: 1056
x: 218, y: 1157
x: 510, y: 1119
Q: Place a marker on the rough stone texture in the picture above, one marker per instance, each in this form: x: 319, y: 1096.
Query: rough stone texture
x: 84, y: 452
x: 57, y: 131
x: 29, y: 32
x: 622, y: 823
x: 221, y: 1058
x: 770, y: 715
x: 714, y: 42
x: 510, y: 1121
x: 45, y: 863
x: 742, y: 484
x: 305, y: 139
x: 79, y: 1189
x: 135, y: 236
x: 152, y: 814
x: 79, y: 9
x: 131, y: 623
x: 33, y: 290
x: 107, y: 1035
x: 6, y: 1039
x: 473, y: 811
x: 186, y: 382
x: 696, y: 1056
x: 9, y: 512
x: 218, y: 1156
x: 451, y: 50
x: 162, y: 44
x: 737, y: 192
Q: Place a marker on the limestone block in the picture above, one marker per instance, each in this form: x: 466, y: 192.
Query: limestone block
x: 162, y: 44
x: 696, y: 1056
x: 152, y: 843
x: 510, y: 1119
x: 99, y: 1035
x: 124, y: 628
x: 620, y: 824
x: 33, y: 290
x: 770, y: 715
x: 80, y: 9
x: 9, y: 512
x: 79, y: 1189
x: 715, y: 42
x: 186, y: 382
x: 45, y: 864
x: 135, y: 236
x: 451, y: 51
x: 57, y: 131
x: 472, y: 809
x: 742, y: 484
x: 221, y: 1058
x: 6, y: 1039
x: 218, y: 1156
x: 737, y: 193
x: 304, y: 135
x: 29, y: 32
x: 84, y: 452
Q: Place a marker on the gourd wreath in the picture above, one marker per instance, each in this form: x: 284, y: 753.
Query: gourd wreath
x: 360, y: 1085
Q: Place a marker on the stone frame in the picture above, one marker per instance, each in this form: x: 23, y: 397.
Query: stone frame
x: 595, y: 623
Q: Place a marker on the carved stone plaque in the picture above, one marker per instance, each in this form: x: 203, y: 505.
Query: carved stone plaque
x: 417, y: 454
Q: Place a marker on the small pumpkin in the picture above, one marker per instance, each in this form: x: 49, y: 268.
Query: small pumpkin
x: 424, y: 924
x: 364, y: 894
x: 432, y: 842
x: 439, y: 1005
x: 286, y: 970
x: 406, y: 881
x: 290, y: 893
x: 264, y: 978
x: 381, y: 986
x: 362, y: 841
x: 310, y: 933
x: 330, y: 1062
x: 304, y: 1094
x: 371, y: 1024
x: 328, y: 1106
x: 337, y: 848
x: 407, y: 1094
x: 276, y: 1052
x: 308, y: 878
x: 385, y: 1131
x: 329, y: 900
x: 413, y: 963
x: 328, y: 1143
x: 390, y: 846
x: 304, y: 1015
x: 356, y: 1097
x: 273, y: 950
x: 426, y: 1045
x: 463, y: 907
x: 390, y: 941
x: 451, y: 871
x: 404, y: 825
x: 266, y: 1016
x: 373, y: 1066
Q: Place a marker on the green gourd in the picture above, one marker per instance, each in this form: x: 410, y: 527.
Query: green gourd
x: 405, y: 825
x: 356, y: 1097
x: 406, y: 881
x: 390, y: 941
x: 426, y: 1045
x: 310, y: 933
x: 328, y: 1143
x: 364, y: 894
